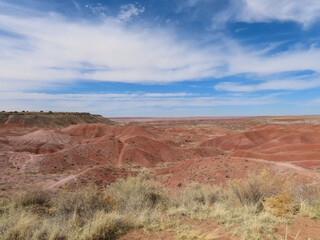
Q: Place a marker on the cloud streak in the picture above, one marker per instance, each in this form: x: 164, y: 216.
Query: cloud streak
x: 54, y: 49
x: 123, y: 104
x: 304, y: 12
x: 297, y: 83
x: 128, y: 11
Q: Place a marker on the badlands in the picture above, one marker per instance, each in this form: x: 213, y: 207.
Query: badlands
x: 177, y: 152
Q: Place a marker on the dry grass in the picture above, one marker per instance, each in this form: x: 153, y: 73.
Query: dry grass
x: 136, y: 194
x: 249, y: 208
x: 257, y: 188
x: 107, y: 226
x: 86, y: 214
x: 281, y: 205
x: 35, y: 197
x: 83, y: 203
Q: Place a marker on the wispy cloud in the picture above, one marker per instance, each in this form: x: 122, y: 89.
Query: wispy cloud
x: 278, y: 82
x: 48, y: 49
x: 97, y: 9
x: 54, y: 49
x: 76, y: 5
x: 271, y: 85
x: 122, y: 104
x: 313, y: 102
x: 303, y: 12
x: 128, y: 11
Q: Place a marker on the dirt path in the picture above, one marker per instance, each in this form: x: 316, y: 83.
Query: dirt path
x: 65, y: 180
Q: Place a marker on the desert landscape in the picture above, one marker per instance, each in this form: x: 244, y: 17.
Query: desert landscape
x: 159, y: 120
x: 206, y: 178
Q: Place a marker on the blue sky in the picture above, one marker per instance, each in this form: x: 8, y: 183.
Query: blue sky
x: 161, y: 57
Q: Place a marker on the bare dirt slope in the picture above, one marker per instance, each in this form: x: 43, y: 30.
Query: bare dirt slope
x: 178, y: 151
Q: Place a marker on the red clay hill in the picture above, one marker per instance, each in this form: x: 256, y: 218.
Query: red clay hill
x: 82, y: 148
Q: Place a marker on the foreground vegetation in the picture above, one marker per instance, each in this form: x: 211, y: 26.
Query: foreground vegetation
x: 249, y: 209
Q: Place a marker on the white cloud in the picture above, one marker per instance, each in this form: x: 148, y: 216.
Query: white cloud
x: 168, y: 94
x: 292, y: 60
x: 277, y: 82
x: 54, y: 49
x: 122, y: 104
x: 271, y: 85
x: 128, y: 11
x: 97, y: 9
x: 304, y: 12
x: 50, y: 49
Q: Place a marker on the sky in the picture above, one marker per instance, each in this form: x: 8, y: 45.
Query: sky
x: 161, y: 58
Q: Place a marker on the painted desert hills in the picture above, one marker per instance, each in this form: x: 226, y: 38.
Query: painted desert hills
x: 71, y: 151
x: 178, y: 151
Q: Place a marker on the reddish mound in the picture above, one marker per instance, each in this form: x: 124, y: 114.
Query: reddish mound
x: 130, y: 131
x: 147, y: 152
x: 40, y: 141
x: 207, y: 171
x: 91, y: 130
x: 244, y: 140
x: 205, y: 150
x: 273, y: 143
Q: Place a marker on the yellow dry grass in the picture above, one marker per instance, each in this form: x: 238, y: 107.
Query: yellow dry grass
x: 248, y: 208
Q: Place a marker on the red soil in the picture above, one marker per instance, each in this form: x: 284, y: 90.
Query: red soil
x: 208, y: 150
x: 300, y: 145
x: 301, y: 228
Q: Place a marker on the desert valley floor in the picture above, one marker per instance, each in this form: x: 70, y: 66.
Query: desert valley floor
x: 177, y: 152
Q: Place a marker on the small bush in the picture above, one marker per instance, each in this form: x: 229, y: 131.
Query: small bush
x: 309, y: 193
x: 137, y: 193
x: 21, y: 226
x: 308, y: 197
x: 36, y: 197
x: 199, y: 194
x: 310, y: 210
x: 281, y: 205
x: 107, y: 226
x: 85, y: 202
x: 256, y: 188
